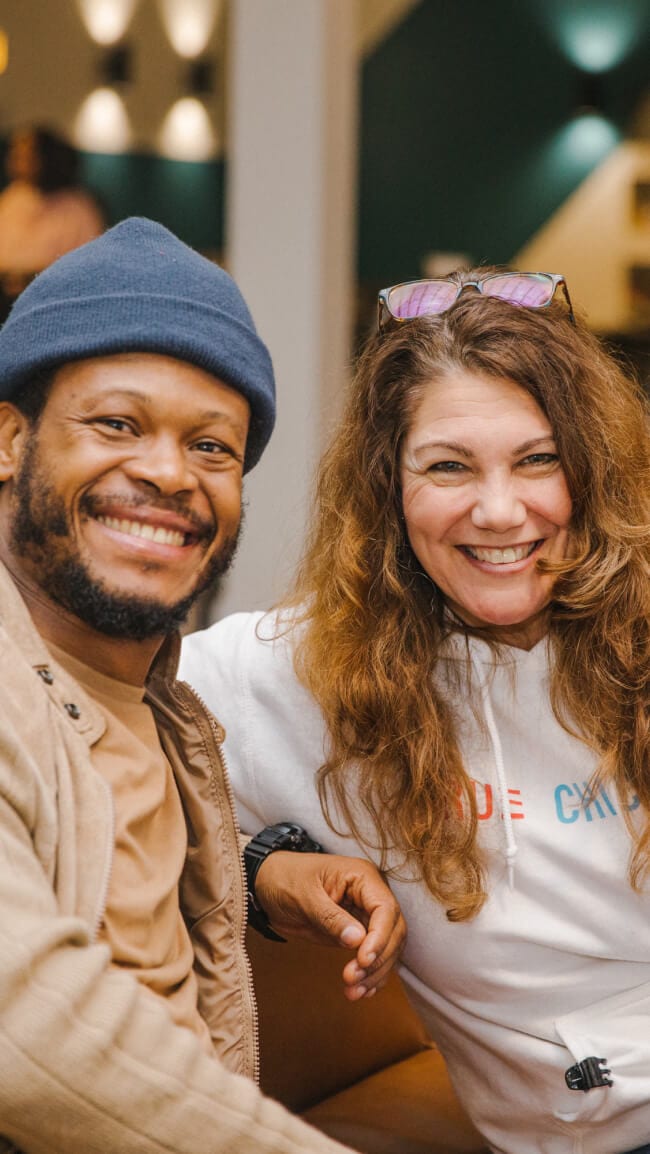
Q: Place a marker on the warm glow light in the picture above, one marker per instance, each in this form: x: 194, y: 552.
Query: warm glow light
x: 4, y: 51
x: 189, y: 24
x: 102, y: 124
x: 595, y: 36
x: 596, y: 47
x: 186, y: 133
x: 589, y: 138
x: 579, y: 147
x: 106, y: 20
x: 572, y: 153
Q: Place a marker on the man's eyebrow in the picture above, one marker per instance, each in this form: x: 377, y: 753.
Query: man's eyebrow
x: 117, y: 392
x: 114, y: 391
x: 219, y: 415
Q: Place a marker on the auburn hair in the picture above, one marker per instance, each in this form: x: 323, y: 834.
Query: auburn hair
x: 372, y: 622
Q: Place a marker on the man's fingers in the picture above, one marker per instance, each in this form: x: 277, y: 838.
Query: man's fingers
x: 352, y: 935
x: 375, y: 905
x: 340, y: 901
x: 384, y: 940
x: 360, y: 981
x: 340, y: 925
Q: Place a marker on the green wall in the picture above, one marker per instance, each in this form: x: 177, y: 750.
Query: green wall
x: 466, y: 136
x: 467, y: 140
x: 186, y: 197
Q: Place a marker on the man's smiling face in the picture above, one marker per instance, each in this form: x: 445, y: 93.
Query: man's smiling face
x: 124, y: 500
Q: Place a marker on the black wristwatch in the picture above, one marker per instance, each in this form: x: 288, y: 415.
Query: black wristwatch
x: 284, y: 835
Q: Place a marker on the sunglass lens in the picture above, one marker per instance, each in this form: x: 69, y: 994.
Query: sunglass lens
x: 533, y: 290
x: 421, y: 299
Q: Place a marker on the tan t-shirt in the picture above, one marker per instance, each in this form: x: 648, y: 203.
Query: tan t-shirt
x: 142, y: 923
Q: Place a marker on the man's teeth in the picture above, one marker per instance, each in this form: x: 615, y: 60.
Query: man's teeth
x: 141, y: 529
x: 502, y: 556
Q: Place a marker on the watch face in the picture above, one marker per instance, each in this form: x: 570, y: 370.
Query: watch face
x: 283, y: 835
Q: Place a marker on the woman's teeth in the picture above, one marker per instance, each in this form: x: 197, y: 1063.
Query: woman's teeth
x: 501, y: 556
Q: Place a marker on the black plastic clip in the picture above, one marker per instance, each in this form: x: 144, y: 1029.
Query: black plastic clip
x: 587, y: 1074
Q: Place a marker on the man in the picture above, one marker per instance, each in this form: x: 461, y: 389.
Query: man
x: 134, y: 393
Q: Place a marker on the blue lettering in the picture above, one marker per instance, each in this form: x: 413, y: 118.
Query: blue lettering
x: 605, y: 797
x: 589, y: 798
x: 573, y: 812
x: 572, y: 800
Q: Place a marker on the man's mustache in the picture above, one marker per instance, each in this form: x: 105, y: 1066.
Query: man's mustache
x: 94, y: 504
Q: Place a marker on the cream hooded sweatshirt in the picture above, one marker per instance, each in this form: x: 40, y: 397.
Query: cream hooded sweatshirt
x: 555, y: 969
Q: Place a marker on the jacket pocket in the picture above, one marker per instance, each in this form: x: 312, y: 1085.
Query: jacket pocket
x: 617, y: 1031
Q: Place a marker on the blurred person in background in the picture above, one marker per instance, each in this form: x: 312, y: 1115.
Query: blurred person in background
x: 458, y: 687
x: 44, y: 210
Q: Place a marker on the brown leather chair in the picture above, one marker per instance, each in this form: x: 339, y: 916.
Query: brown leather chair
x: 364, y: 1072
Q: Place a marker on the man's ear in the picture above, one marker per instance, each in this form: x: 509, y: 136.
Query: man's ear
x: 13, y: 430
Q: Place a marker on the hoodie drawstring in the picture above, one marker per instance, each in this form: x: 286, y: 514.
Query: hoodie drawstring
x: 488, y: 713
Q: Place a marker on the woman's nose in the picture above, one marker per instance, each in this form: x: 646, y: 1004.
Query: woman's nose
x: 498, y: 506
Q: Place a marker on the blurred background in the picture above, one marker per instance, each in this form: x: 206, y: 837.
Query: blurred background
x: 322, y: 149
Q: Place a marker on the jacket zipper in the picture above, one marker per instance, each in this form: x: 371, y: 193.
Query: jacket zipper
x: 108, y: 864
x: 216, y: 735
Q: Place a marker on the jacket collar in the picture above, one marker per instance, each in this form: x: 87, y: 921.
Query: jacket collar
x: 67, y: 694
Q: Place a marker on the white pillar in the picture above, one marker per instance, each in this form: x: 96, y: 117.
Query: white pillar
x: 290, y: 231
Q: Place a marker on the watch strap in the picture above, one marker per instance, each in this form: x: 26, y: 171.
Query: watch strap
x: 283, y: 835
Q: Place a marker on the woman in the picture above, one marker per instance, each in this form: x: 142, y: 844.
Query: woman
x: 460, y: 684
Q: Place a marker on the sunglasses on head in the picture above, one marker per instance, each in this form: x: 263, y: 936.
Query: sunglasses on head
x: 430, y: 298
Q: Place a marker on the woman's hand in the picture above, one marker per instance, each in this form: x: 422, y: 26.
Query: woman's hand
x: 333, y: 900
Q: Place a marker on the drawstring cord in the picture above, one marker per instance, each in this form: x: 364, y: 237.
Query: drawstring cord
x: 511, y: 844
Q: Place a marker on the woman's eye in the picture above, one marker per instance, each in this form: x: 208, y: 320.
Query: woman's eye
x: 447, y: 467
x: 541, y: 459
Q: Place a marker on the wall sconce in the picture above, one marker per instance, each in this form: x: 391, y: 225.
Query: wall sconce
x: 116, y: 65
x: 590, y: 94
x: 199, y: 77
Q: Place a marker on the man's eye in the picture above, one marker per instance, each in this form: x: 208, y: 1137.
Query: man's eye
x: 118, y: 423
x: 210, y: 447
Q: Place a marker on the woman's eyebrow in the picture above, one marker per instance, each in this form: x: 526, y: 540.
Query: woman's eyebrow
x: 458, y: 447
x: 534, y: 443
x: 450, y: 446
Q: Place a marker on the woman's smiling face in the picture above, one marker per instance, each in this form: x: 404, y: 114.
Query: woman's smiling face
x: 484, y: 498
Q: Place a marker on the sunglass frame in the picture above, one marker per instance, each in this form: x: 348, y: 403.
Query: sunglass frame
x: 384, y: 313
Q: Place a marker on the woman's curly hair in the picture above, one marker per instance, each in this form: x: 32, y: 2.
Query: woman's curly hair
x: 373, y: 621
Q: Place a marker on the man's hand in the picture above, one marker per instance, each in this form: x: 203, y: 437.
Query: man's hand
x: 334, y: 900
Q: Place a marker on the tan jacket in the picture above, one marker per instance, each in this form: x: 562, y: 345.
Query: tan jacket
x: 90, y: 1061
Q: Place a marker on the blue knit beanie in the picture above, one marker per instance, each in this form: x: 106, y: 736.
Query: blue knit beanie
x: 138, y: 288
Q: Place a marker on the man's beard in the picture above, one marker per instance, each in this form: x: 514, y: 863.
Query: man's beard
x: 40, y: 533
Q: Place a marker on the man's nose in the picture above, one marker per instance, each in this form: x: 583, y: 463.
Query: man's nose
x: 498, y: 506
x: 163, y: 463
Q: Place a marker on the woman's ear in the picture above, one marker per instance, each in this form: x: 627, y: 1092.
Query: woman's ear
x: 13, y: 430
